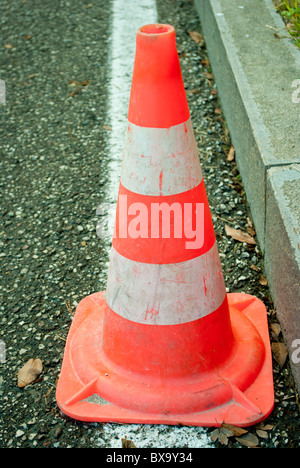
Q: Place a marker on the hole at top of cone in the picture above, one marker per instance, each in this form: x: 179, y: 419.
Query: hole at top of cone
x: 156, y: 29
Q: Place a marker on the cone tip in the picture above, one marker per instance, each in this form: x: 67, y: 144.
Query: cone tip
x: 156, y: 29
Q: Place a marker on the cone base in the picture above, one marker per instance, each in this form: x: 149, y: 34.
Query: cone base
x: 240, y: 392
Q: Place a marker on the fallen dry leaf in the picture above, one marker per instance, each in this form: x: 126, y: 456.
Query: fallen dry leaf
x: 248, y: 440
x: 236, y: 431
x: 47, y: 395
x: 127, y: 443
x: 193, y: 91
x: 250, y: 223
x: 267, y: 427
x: 79, y: 85
x: 263, y: 281
x: 215, y: 435
x: 210, y: 76
x: 231, y: 154
x: 262, y: 434
x: 225, y: 432
x: 29, y: 372
x: 276, y: 328
x: 255, y: 268
x: 69, y: 308
x: 84, y: 83
x: 221, y: 435
x: 280, y: 353
x: 9, y: 46
x: 76, y: 91
x: 251, y: 231
x: 197, y: 37
x: 239, y: 235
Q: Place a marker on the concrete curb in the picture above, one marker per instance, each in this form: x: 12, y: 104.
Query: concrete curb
x: 257, y: 72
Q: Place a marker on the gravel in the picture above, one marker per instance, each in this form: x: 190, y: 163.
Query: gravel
x: 53, y: 175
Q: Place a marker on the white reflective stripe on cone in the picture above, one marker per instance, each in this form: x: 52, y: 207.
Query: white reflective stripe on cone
x: 161, y: 161
x: 165, y: 294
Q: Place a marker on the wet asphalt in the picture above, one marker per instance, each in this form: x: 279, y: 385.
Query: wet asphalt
x: 55, y: 170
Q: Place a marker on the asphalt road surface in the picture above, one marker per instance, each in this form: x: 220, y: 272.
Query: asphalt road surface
x: 67, y: 68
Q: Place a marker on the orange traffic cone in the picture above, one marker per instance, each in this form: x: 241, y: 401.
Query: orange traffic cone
x: 165, y: 344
